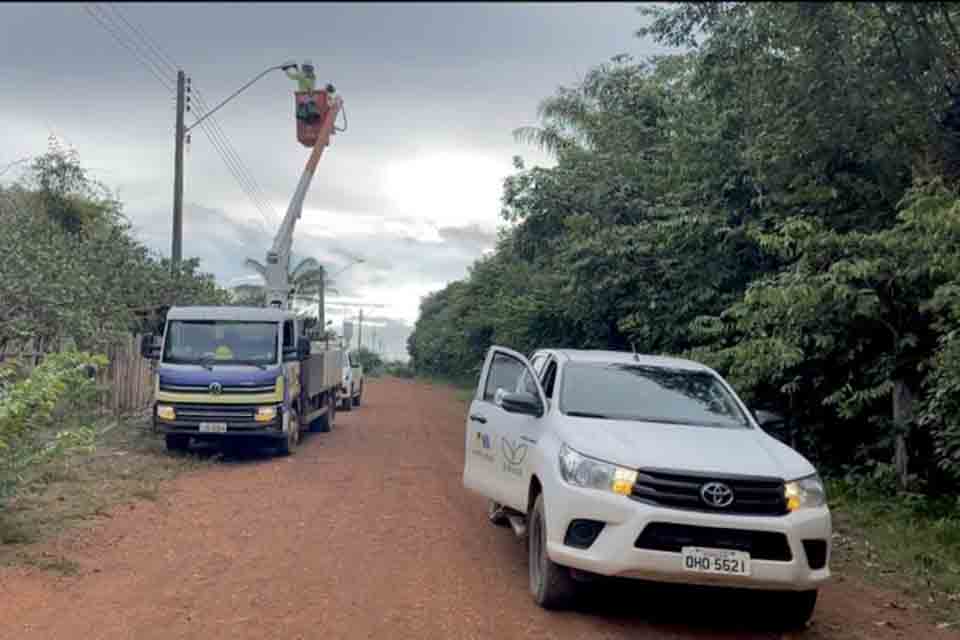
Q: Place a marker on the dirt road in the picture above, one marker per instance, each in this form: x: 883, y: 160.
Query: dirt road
x: 366, y: 532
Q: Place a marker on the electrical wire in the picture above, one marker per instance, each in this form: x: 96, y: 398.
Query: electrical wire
x: 148, y: 52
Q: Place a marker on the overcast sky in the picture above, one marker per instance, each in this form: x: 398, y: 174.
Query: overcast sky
x: 432, y: 92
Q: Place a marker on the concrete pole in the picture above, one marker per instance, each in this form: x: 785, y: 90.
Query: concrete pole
x: 176, y: 250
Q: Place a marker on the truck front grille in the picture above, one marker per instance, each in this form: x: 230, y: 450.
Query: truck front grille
x: 751, y: 495
x: 761, y: 545
x: 205, y: 388
x: 215, y: 412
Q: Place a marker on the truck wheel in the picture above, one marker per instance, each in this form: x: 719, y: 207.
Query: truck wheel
x: 495, y: 515
x: 552, y: 585
x: 356, y: 400
x: 289, y: 444
x: 325, y: 422
x: 177, y: 442
x: 348, y: 403
x: 797, y: 608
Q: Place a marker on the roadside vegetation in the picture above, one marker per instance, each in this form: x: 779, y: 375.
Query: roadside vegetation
x: 777, y: 199
x: 73, y: 282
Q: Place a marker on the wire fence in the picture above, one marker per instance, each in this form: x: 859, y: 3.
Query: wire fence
x: 124, y: 386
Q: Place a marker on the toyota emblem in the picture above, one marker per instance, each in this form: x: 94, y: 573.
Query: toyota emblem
x: 716, y: 494
x: 216, y: 388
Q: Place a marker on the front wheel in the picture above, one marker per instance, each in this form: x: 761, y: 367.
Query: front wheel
x: 356, y: 400
x: 289, y: 444
x: 552, y: 585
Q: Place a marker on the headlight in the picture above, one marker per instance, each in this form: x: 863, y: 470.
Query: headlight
x: 581, y: 471
x: 166, y: 412
x: 805, y: 493
x: 266, y: 414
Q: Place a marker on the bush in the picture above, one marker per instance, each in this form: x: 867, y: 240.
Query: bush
x: 60, y: 390
x: 400, y: 370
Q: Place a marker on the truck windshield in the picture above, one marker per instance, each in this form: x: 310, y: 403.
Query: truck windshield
x: 650, y: 394
x: 220, y: 342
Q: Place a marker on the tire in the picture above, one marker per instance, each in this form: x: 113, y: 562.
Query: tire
x: 348, y: 404
x: 177, y: 442
x: 356, y: 400
x: 495, y: 516
x: 289, y: 444
x: 797, y: 608
x: 552, y: 585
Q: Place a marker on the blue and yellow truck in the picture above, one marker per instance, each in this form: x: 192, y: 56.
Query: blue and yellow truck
x: 227, y: 372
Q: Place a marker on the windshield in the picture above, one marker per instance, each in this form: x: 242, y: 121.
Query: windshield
x: 220, y: 342
x: 652, y: 394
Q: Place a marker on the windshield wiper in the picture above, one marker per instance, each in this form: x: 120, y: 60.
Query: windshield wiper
x: 587, y: 414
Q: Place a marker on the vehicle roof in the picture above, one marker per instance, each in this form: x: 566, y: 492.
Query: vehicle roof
x: 255, y: 314
x: 626, y: 357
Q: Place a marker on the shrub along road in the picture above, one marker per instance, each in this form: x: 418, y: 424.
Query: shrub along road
x: 365, y: 532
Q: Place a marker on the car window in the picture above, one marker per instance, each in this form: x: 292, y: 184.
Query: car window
x: 549, y: 378
x: 506, y: 373
x: 649, y: 393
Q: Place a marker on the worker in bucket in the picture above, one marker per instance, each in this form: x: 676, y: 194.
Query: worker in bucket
x: 306, y: 82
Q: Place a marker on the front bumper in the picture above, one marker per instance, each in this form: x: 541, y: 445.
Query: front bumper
x: 236, y: 427
x: 615, y: 551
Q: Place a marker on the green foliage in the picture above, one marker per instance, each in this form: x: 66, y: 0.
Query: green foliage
x: 399, y: 370
x: 780, y: 202
x: 371, y: 361
x: 69, y: 266
x: 33, y: 409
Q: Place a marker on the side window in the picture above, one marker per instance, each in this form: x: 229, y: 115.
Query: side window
x: 549, y: 377
x: 288, y: 342
x: 505, y: 373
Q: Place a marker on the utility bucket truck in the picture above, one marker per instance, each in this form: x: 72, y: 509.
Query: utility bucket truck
x: 233, y: 371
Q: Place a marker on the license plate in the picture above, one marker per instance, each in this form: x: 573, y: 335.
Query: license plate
x: 722, y: 561
x: 213, y: 427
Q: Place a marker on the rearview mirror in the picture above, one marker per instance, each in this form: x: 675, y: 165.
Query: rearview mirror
x: 769, y: 420
x: 303, y: 347
x: 150, y: 346
x: 521, y: 402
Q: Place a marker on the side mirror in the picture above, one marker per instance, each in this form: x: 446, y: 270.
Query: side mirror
x: 303, y: 347
x: 150, y: 346
x: 770, y: 421
x: 521, y: 402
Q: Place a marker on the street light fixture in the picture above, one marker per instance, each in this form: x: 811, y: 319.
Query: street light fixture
x: 279, y: 67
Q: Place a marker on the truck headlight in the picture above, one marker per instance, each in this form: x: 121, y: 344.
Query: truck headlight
x: 805, y: 493
x: 582, y: 471
x: 166, y: 412
x: 266, y: 414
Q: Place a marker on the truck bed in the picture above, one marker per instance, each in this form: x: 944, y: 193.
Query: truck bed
x: 321, y: 369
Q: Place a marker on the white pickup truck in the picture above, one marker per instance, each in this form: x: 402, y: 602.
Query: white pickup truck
x: 351, y: 385
x: 618, y: 464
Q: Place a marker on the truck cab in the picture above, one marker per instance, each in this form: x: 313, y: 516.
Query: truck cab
x: 238, y: 371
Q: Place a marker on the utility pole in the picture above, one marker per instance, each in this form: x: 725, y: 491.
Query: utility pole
x: 360, y: 331
x: 176, y: 250
x: 321, y: 317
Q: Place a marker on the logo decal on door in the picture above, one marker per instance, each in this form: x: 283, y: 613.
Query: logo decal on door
x: 514, y: 453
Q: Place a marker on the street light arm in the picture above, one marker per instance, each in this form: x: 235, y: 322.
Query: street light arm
x: 236, y: 93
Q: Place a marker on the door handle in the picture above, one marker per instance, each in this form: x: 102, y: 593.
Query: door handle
x: 475, y: 417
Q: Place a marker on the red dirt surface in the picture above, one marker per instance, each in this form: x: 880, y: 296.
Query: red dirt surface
x: 366, y: 532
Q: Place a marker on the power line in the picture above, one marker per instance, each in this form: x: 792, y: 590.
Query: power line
x: 148, y: 52
x: 132, y: 49
x: 253, y: 190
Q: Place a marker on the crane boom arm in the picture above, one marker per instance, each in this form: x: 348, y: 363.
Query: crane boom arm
x: 278, y: 258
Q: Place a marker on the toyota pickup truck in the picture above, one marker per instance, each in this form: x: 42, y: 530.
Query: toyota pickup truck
x: 227, y: 372
x: 618, y: 464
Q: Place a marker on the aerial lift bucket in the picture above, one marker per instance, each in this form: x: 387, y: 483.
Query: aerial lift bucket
x: 309, y: 130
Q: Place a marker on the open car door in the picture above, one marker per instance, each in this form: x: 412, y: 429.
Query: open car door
x: 498, y: 440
